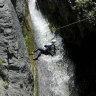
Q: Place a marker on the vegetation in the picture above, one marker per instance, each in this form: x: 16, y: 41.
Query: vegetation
x: 5, y: 84
x: 85, y: 8
x: 29, y: 40
x: 1, y: 62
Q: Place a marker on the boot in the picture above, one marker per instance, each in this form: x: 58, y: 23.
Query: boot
x: 31, y: 53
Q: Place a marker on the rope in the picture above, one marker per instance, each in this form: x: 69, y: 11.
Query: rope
x: 75, y: 22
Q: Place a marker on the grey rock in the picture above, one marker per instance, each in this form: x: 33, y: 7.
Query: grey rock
x: 1, y: 3
x: 20, y: 10
x: 15, y: 67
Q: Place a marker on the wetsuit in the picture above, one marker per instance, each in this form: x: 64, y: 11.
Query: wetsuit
x: 46, y: 51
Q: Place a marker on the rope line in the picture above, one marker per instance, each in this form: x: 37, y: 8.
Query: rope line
x: 75, y: 22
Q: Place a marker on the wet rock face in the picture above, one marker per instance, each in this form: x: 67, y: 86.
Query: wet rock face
x: 15, y: 71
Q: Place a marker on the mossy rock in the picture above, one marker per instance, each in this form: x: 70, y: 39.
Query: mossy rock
x: 5, y: 84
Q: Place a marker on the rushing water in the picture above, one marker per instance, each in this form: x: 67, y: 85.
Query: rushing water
x: 52, y: 71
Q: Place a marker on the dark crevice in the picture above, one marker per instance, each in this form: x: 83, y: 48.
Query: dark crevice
x: 14, y: 3
x: 12, y: 67
x: 9, y: 55
x: 3, y: 74
x: 1, y: 5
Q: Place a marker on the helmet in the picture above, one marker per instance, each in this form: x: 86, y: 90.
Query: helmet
x: 53, y: 41
x: 47, y: 45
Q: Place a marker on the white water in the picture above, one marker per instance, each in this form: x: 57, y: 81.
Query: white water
x: 52, y: 71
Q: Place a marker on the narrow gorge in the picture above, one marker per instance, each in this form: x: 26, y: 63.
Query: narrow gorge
x: 26, y: 25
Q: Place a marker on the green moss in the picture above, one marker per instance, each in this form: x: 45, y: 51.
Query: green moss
x: 29, y: 40
x: 1, y: 62
x: 52, y: 27
x: 5, y: 84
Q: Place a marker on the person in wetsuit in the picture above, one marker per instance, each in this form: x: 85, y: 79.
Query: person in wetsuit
x: 49, y: 50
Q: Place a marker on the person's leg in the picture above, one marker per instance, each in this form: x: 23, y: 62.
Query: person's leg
x: 39, y: 49
x: 47, y: 52
x: 34, y: 51
x: 50, y: 53
x: 37, y: 56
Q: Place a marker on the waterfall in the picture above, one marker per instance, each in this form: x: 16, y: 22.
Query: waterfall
x: 52, y: 71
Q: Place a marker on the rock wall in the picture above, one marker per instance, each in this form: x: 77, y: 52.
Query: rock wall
x: 19, y: 6
x: 15, y: 69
